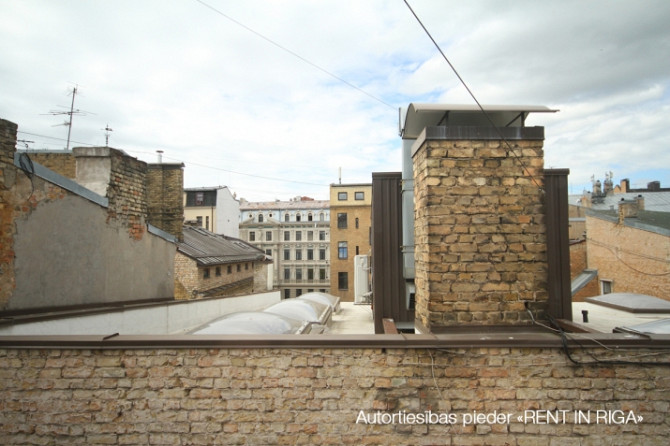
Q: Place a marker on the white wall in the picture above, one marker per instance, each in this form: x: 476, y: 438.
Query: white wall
x: 172, y: 318
x: 227, y: 213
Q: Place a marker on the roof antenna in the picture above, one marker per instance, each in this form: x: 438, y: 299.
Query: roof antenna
x: 70, y: 113
x: 107, y: 130
x: 340, y: 174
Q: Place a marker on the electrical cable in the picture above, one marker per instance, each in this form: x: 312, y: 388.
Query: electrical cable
x: 488, y: 118
x: 296, y: 55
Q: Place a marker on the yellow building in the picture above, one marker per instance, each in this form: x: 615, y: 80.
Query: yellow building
x: 350, y: 226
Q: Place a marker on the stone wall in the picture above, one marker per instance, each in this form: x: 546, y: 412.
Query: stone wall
x: 254, y: 396
x: 479, y: 231
x: 165, y: 203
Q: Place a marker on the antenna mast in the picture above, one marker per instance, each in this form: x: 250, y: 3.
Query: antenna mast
x: 107, y: 131
x: 70, y: 113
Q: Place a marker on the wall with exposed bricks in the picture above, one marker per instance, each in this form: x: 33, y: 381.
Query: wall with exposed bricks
x: 479, y: 231
x: 252, y: 396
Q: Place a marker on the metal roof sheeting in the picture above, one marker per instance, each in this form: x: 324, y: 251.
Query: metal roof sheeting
x: 208, y: 248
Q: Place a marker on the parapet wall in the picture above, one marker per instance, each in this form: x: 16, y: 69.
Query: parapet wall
x: 282, y: 396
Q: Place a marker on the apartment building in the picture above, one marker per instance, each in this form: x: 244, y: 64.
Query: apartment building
x: 215, y: 209
x: 351, y: 208
x: 296, y: 234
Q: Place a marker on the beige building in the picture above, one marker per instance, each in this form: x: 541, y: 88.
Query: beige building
x: 350, y: 225
x: 296, y: 234
x: 630, y: 250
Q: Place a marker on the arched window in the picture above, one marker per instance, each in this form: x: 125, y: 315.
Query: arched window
x: 286, y: 217
x: 309, y: 217
x: 297, y: 217
x: 322, y: 217
x: 260, y: 218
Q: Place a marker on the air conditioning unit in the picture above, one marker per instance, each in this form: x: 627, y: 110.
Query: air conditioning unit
x: 362, y: 294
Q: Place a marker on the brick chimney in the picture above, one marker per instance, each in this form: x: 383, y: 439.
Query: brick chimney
x: 165, y: 197
x: 479, y: 226
x: 630, y: 208
x: 121, y: 178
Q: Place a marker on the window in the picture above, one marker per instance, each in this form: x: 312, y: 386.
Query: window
x: 298, y: 254
x: 252, y: 236
x: 268, y: 236
x: 246, y: 267
x: 287, y: 236
x: 322, y: 217
x: 287, y: 294
x: 218, y: 271
x: 207, y: 222
x: 287, y: 254
x: 239, y: 267
x: 310, y: 254
x: 605, y: 286
x: 341, y: 196
x: 342, y: 220
x: 286, y: 218
x: 298, y: 236
x: 359, y: 195
x: 322, y: 273
x: 230, y: 269
x: 198, y: 221
x: 205, y: 273
x: 310, y: 274
x: 322, y: 236
x: 310, y: 236
x: 297, y: 217
x: 342, y: 250
x: 298, y: 274
x: 268, y: 252
x: 199, y: 198
x: 298, y: 292
x: 260, y: 218
x: 309, y: 217
x: 343, y: 281
x: 322, y: 254
x: 356, y: 223
x: 287, y: 273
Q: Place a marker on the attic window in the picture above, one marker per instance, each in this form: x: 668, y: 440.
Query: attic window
x: 199, y: 198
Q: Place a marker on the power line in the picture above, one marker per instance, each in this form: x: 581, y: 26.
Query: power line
x: 296, y: 55
x: 488, y: 118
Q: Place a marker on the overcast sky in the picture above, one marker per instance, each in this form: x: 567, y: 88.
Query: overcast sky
x: 271, y: 97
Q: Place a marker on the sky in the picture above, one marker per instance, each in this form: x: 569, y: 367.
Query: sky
x: 274, y: 98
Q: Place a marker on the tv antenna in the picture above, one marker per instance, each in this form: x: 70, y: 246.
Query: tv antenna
x: 70, y: 113
x: 107, y: 131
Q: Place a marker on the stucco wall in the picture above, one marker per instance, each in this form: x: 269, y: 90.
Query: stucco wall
x: 254, y: 396
x: 66, y: 253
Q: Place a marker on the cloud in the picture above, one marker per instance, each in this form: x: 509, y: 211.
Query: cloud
x: 254, y: 91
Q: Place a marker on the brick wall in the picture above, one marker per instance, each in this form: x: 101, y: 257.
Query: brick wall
x: 190, y: 280
x: 20, y: 194
x: 479, y: 232
x: 127, y: 193
x: 635, y: 260
x: 61, y: 162
x: 165, y: 204
x: 253, y: 396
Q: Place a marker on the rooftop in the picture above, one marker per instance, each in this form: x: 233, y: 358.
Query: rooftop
x: 284, y: 205
x: 208, y: 248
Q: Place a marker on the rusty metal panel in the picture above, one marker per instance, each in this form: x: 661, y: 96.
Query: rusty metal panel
x: 388, y: 285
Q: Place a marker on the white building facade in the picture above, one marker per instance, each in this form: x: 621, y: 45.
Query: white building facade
x: 296, y: 234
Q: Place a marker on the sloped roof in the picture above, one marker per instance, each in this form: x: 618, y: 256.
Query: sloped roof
x: 653, y: 201
x: 208, y: 248
x: 284, y: 205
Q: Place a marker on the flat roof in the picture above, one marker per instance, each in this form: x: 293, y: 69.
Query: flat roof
x: 422, y: 115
